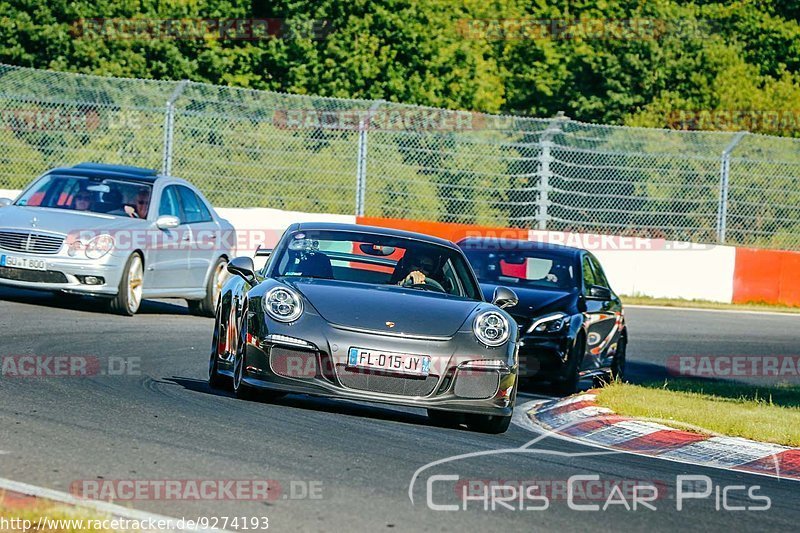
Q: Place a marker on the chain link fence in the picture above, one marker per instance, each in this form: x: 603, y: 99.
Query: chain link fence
x: 247, y: 148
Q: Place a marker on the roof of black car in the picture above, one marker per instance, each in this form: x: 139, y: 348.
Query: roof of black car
x: 389, y: 232
x: 104, y: 170
x: 493, y: 244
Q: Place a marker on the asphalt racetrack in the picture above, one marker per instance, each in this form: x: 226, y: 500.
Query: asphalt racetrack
x: 339, y: 465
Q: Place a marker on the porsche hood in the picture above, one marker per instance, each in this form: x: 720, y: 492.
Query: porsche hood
x: 390, y: 309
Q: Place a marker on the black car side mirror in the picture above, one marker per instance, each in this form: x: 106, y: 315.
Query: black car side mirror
x: 244, y: 268
x: 596, y: 292
x: 504, y: 297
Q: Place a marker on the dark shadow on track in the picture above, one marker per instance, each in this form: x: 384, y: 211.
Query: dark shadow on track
x: 319, y: 404
x: 86, y: 303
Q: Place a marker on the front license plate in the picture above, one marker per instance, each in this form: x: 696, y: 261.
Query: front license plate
x: 418, y: 365
x: 12, y: 261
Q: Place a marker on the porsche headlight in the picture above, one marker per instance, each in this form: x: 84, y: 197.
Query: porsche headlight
x: 283, y: 305
x: 554, y: 323
x: 99, y: 246
x: 491, y: 328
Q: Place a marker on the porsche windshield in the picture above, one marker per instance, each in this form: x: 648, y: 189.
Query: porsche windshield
x: 109, y: 196
x: 375, y: 259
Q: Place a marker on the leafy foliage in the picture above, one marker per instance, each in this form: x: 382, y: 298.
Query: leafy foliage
x: 675, y: 55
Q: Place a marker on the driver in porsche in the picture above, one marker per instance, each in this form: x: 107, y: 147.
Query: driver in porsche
x: 418, y: 267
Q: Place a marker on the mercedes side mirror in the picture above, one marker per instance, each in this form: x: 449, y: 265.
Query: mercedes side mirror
x: 596, y: 292
x: 167, y: 222
x: 244, y: 268
x: 6, y: 201
x: 504, y: 297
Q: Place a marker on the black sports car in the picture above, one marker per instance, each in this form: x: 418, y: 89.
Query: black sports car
x: 372, y: 314
x: 572, y: 325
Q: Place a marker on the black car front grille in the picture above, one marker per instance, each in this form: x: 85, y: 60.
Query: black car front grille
x: 293, y: 363
x: 476, y: 384
x: 35, y: 243
x: 32, y: 276
x: 386, y: 383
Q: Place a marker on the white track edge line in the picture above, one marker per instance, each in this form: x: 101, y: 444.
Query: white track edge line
x: 104, y: 507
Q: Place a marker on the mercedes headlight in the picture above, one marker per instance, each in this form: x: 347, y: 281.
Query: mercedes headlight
x: 283, y: 305
x: 491, y: 328
x: 99, y: 246
x: 95, y: 248
x: 554, y: 323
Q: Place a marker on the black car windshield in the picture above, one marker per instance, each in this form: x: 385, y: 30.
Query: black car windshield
x: 537, y: 269
x: 375, y: 259
x: 109, y: 196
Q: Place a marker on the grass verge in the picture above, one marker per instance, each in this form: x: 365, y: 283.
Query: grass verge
x: 767, y: 414
x: 706, y: 304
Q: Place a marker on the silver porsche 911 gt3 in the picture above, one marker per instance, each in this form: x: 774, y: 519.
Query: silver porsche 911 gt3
x: 368, y: 313
x: 115, y: 232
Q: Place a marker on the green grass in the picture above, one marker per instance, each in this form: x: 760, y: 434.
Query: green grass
x: 762, y: 413
x: 706, y: 304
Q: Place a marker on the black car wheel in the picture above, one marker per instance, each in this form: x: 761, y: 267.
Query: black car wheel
x: 493, y: 424
x: 618, y: 365
x: 568, y: 384
x: 242, y: 390
x: 215, y: 379
x: 616, y: 371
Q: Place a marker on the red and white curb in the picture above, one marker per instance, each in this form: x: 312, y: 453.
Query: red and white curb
x: 579, y: 418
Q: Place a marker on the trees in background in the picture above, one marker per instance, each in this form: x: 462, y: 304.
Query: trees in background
x: 661, y: 63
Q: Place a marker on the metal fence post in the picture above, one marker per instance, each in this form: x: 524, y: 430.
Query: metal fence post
x: 361, y: 168
x: 169, y: 126
x: 543, y: 203
x: 724, y: 184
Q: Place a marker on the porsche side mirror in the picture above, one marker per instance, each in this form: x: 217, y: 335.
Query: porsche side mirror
x: 244, y: 268
x: 504, y: 297
x: 596, y: 292
x: 167, y: 222
x: 5, y: 201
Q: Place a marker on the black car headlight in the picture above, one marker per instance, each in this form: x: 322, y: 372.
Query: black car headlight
x: 554, y: 323
x: 491, y: 328
x: 282, y: 304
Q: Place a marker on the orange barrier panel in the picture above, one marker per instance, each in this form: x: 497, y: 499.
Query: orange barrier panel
x: 444, y: 230
x: 770, y: 276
